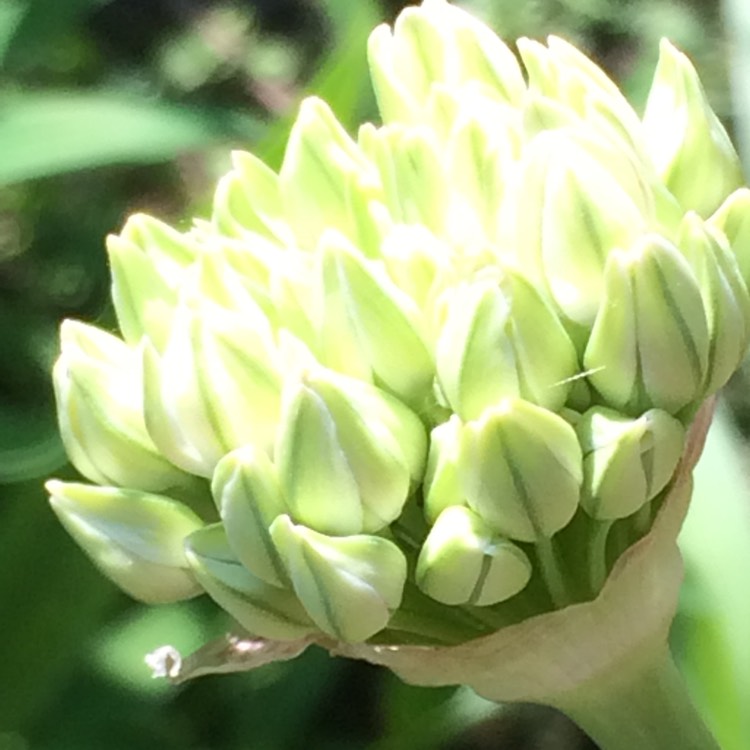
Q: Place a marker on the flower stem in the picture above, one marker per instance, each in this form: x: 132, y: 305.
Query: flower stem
x: 552, y: 573
x: 640, y: 704
x: 597, y: 555
x: 642, y: 519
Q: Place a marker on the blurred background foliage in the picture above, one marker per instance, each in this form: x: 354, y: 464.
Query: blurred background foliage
x: 113, y: 106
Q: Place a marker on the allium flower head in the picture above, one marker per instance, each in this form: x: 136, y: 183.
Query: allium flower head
x: 402, y: 389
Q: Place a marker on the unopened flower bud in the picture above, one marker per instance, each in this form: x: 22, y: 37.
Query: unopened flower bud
x: 412, y: 173
x: 264, y: 610
x: 148, y: 260
x: 725, y: 298
x: 688, y: 145
x: 564, y: 75
x: 347, y: 454
x: 442, y: 482
x: 348, y: 585
x: 521, y: 470
x: 246, y: 489
x: 214, y: 388
x: 649, y: 344
x: 500, y: 339
x: 99, y: 405
x: 313, y: 177
x: 463, y: 561
x: 403, y: 64
x: 733, y: 219
x: 248, y: 199
x: 626, y: 462
x: 370, y: 325
x: 133, y: 537
x: 573, y: 211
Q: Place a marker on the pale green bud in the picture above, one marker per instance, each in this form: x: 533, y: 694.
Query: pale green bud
x: 318, y: 160
x: 395, y: 102
x: 574, y: 209
x: 626, y: 462
x: 481, y: 56
x: 442, y: 481
x: 263, y: 610
x: 412, y: 172
x: 688, y: 145
x: 436, y: 44
x: 246, y: 489
x: 134, y: 538
x: 214, y: 388
x: 501, y: 339
x: 562, y: 73
x: 725, y: 298
x: 348, y: 585
x: 99, y: 395
x: 521, y: 470
x: 733, y: 219
x: 463, y: 561
x: 370, y: 327
x: 148, y: 260
x: 248, y: 200
x: 649, y: 344
x: 406, y: 62
x: 347, y: 454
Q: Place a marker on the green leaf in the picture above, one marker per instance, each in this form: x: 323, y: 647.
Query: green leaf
x: 49, y: 132
x: 12, y: 13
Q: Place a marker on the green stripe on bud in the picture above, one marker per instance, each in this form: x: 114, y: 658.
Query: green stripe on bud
x: 317, y: 481
x: 348, y: 585
x: 246, y: 490
x: 264, y: 610
x: 98, y: 390
x: 521, y: 470
x: 370, y: 325
x: 500, y: 339
x: 725, y: 298
x: 348, y: 454
x: 464, y: 561
x: 482, y: 162
x: 688, y: 145
x: 626, y: 462
x: 134, y: 538
x: 649, y: 344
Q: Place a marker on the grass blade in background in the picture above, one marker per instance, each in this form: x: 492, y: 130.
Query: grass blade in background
x: 711, y: 633
x: 49, y: 132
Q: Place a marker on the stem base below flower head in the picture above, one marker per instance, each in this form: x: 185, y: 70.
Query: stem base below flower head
x: 640, y: 704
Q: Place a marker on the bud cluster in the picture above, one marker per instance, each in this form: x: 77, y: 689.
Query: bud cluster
x: 426, y: 381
